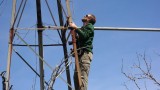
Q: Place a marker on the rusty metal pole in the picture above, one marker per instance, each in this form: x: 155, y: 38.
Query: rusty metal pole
x: 10, y: 46
x: 9, y: 58
x: 77, y: 67
x: 40, y: 42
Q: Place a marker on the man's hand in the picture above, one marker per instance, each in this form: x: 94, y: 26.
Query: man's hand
x: 72, y: 26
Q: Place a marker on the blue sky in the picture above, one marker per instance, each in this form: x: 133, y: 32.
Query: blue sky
x: 110, y: 47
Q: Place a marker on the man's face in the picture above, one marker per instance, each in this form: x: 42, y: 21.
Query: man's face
x: 86, y: 18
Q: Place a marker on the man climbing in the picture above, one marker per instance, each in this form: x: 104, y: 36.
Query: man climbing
x: 85, y: 36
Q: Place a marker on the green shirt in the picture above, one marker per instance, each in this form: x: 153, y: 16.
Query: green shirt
x: 85, y: 40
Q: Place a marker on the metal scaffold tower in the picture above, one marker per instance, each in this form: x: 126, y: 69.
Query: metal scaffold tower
x: 62, y: 29
x: 40, y: 28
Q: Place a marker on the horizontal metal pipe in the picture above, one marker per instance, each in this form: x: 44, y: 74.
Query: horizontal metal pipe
x: 44, y: 27
x: 126, y: 29
x: 96, y: 28
x: 38, y: 45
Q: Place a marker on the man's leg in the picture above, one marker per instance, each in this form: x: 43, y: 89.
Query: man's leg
x: 85, y: 61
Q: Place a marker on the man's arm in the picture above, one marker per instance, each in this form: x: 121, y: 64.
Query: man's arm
x: 86, y: 32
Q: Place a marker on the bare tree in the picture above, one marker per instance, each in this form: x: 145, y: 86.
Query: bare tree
x: 143, y: 68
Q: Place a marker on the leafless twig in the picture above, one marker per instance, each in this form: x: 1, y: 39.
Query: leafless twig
x: 145, y: 71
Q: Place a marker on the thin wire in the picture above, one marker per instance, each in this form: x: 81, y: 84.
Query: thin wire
x: 51, y: 12
x: 53, y: 18
x: 62, y: 8
x: 24, y: 35
x: 3, y: 8
x: 17, y: 13
x: 50, y: 38
x: 35, y: 79
x: 34, y: 51
x: 1, y: 2
x: 28, y: 64
x: 21, y: 13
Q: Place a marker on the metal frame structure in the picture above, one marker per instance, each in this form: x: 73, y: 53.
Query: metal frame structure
x: 62, y: 33
x: 40, y: 43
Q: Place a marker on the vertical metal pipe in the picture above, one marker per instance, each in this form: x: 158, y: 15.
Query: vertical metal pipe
x: 10, y: 45
x: 68, y: 10
x: 77, y: 67
x: 63, y: 33
x: 40, y: 42
x: 9, y: 58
